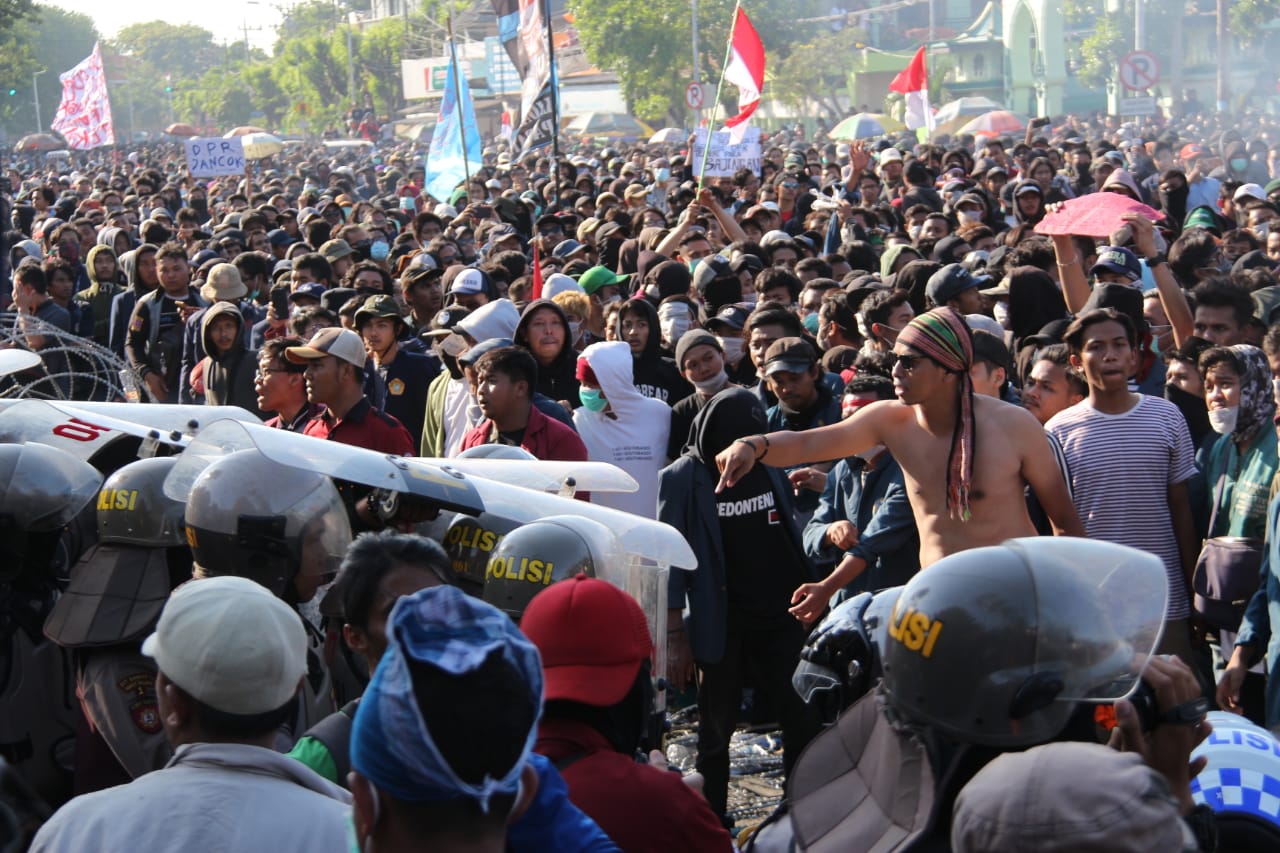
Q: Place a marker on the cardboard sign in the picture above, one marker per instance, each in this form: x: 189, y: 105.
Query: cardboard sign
x: 725, y: 158
x: 215, y: 157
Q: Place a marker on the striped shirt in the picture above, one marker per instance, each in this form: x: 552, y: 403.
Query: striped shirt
x: 1121, y: 467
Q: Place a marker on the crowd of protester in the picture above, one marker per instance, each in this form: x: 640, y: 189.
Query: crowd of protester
x: 878, y: 324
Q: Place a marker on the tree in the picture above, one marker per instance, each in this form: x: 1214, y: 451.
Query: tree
x: 49, y: 39
x: 808, y: 74
x: 181, y: 51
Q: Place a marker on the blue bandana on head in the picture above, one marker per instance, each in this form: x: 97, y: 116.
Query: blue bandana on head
x: 390, y: 743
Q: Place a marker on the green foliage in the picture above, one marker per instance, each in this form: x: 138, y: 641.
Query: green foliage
x: 47, y: 38
x: 1101, y: 51
x: 808, y: 72
x: 1246, y: 17
x: 184, y: 51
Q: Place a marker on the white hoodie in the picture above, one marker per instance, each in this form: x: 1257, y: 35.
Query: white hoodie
x: 636, y: 440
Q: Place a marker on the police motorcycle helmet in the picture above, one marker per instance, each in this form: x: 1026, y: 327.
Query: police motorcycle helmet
x: 470, y: 541
x: 842, y: 658
x: 42, y: 490
x: 1241, y: 783
x: 999, y: 646
x: 255, y: 518
x: 536, y: 555
x: 118, y: 588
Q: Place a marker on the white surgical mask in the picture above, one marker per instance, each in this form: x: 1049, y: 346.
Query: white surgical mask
x: 733, y: 348
x: 1000, y: 310
x: 673, y: 321
x: 574, y: 330
x: 913, y: 232
x: 714, y: 384
x: 751, y: 299
x: 1223, y: 421
x: 969, y: 216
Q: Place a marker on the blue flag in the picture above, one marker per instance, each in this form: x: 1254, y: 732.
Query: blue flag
x: 831, y: 241
x: 445, y: 159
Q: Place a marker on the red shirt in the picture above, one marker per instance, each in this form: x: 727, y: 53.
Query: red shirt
x: 365, y: 427
x: 640, y: 807
x: 544, y: 437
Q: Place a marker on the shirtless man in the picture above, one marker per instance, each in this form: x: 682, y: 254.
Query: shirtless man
x: 957, y: 504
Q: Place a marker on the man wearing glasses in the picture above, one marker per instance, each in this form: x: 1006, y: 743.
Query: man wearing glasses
x: 281, y: 387
x: 988, y: 450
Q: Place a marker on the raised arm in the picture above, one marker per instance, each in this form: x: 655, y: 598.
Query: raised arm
x: 860, y: 432
x: 1172, y: 299
x: 1075, y: 287
x: 732, y: 230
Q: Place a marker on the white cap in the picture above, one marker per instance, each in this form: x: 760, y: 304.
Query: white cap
x: 889, y: 155
x: 559, y: 283
x: 1249, y: 191
x: 231, y: 644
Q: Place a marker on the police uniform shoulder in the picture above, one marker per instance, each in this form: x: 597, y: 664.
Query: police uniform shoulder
x: 386, y: 419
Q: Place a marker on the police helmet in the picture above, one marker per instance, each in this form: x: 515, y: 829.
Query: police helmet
x: 134, y: 510
x: 1241, y: 782
x: 997, y: 646
x: 42, y: 489
x: 471, y: 543
x: 252, y: 517
x: 498, y: 451
x: 536, y: 555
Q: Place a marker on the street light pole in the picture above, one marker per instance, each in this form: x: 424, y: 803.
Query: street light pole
x: 35, y: 94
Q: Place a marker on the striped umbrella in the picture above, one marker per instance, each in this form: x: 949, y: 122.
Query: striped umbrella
x: 865, y: 126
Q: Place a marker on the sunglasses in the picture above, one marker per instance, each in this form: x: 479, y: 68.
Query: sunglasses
x: 910, y: 362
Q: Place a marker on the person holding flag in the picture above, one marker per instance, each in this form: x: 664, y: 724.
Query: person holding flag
x: 455, y: 152
x: 744, y: 68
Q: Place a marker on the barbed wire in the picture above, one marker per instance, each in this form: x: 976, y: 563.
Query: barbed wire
x: 72, y: 368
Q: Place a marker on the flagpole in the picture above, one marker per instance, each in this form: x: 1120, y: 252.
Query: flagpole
x: 715, y: 105
x: 457, y: 98
x: 554, y: 82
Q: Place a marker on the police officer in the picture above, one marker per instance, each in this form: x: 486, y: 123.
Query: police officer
x: 536, y: 555
x: 113, y: 600
x: 42, y: 491
x: 280, y: 526
x: 963, y: 682
x: 407, y: 374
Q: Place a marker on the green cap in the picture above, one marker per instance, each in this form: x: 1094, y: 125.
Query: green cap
x: 1272, y: 186
x: 1202, y: 217
x: 598, y: 277
x: 378, y: 306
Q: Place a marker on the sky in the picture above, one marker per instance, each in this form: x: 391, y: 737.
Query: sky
x: 224, y: 19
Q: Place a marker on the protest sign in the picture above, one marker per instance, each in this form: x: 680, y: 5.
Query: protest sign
x: 215, y: 157
x: 725, y: 158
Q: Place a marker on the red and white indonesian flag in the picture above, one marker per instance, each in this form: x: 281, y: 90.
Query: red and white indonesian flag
x: 746, y: 71
x: 84, y: 116
x: 913, y: 81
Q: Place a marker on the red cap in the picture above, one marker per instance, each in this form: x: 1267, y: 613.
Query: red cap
x: 592, y: 637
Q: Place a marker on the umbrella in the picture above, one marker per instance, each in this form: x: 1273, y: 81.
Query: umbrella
x: 261, y: 144
x: 181, y: 129
x: 964, y: 108
x: 865, y: 126
x: 668, y: 136
x: 39, y: 142
x: 618, y: 125
x: 995, y: 123
x: 242, y: 130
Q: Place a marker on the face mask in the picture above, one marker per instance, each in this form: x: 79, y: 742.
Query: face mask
x: 1223, y: 421
x: 378, y: 250
x: 574, y: 330
x: 1275, y: 388
x: 672, y: 328
x: 733, y: 348
x: 811, y: 323
x: 592, y: 399
x: 693, y: 264
x: 712, y: 385
x: 914, y: 232
x: 1000, y: 311
x: 970, y: 216
x: 870, y: 453
x: 662, y: 175
x: 1239, y: 164
x: 751, y: 299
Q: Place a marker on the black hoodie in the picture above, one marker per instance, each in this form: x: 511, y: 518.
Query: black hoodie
x: 557, y: 380
x: 654, y: 376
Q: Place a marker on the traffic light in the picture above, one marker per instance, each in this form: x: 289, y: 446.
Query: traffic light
x: 12, y: 92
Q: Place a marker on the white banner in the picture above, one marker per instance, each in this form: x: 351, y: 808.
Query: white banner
x: 84, y: 116
x: 725, y: 157
x: 214, y: 157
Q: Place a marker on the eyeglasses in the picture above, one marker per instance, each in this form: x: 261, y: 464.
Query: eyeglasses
x: 910, y: 362
x: 261, y: 375
x: 791, y: 185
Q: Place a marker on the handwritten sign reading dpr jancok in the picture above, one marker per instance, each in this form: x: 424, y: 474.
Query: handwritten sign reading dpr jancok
x: 726, y: 158
x: 214, y: 157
